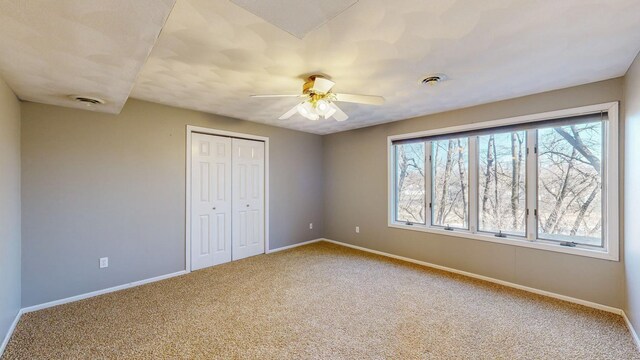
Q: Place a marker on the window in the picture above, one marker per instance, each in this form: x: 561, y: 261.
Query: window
x: 546, y: 181
x: 570, y: 183
x: 450, y: 183
x: 410, y: 189
x: 502, y: 183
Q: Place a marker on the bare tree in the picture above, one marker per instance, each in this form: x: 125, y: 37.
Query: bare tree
x: 411, y: 182
x: 502, y: 188
x: 487, y: 177
x: 578, y: 145
x: 570, y: 168
x: 516, y: 167
x: 445, y: 184
x: 496, y: 201
x: 554, y: 217
x: 584, y: 207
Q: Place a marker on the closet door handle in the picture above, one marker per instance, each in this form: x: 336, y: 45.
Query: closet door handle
x: 247, y: 205
x: 214, y: 208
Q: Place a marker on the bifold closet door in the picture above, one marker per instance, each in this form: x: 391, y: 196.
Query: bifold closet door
x: 248, y: 198
x: 210, y: 200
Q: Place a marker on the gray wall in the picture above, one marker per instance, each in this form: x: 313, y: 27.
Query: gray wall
x: 355, y: 171
x: 97, y: 185
x: 9, y: 208
x: 101, y: 185
x: 632, y: 192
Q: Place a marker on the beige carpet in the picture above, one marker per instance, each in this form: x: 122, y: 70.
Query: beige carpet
x: 320, y: 301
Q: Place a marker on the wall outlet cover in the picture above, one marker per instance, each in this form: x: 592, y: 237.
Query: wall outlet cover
x: 104, y: 262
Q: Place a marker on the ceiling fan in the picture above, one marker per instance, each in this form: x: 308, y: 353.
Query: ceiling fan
x: 319, y: 100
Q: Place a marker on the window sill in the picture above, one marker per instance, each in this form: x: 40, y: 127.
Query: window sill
x: 538, y: 244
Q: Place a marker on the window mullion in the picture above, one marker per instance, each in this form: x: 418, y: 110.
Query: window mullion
x: 394, y: 177
x: 427, y: 183
x: 473, y: 184
x: 532, y: 184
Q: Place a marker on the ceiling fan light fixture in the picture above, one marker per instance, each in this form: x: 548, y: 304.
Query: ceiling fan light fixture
x: 306, y: 109
x: 322, y: 107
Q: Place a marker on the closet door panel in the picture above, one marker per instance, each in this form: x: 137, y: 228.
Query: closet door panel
x: 210, y: 200
x: 248, y: 198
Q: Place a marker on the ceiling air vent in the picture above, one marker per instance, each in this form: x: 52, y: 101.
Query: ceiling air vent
x: 434, y: 79
x: 88, y: 100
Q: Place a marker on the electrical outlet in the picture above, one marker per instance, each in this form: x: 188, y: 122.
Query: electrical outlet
x: 357, y: 229
x: 104, y: 262
x: 310, y: 226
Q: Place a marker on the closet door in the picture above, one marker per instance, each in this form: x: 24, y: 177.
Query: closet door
x: 210, y: 200
x: 248, y: 198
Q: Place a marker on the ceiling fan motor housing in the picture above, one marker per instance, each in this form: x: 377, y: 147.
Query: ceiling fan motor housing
x: 307, y: 87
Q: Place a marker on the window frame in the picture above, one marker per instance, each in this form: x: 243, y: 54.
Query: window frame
x: 430, y: 192
x: 610, y: 179
x: 604, y: 185
x: 395, y: 214
x: 526, y: 187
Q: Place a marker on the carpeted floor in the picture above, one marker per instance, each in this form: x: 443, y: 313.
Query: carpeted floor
x: 320, y: 301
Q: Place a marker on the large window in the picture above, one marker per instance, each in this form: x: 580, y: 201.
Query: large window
x: 547, y: 181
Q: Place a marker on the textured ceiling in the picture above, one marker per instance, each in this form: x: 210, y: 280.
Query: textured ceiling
x: 211, y: 55
x: 296, y: 17
x: 52, y: 49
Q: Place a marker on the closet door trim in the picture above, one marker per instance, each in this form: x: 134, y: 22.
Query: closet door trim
x: 202, y: 130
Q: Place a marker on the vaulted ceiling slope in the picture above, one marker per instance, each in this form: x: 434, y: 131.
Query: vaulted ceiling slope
x: 50, y: 50
x: 211, y: 55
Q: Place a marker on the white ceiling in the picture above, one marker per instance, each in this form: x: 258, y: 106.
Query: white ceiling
x: 296, y: 17
x: 211, y: 55
x: 50, y: 50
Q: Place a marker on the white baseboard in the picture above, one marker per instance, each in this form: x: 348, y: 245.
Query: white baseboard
x: 10, y: 332
x: 590, y: 304
x: 486, y: 278
x: 633, y: 332
x: 136, y: 283
x: 100, y: 292
x: 294, y: 245
x: 80, y: 297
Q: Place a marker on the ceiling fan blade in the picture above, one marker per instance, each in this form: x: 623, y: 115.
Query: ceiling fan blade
x: 275, y: 96
x: 289, y: 113
x: 361, y: 99
x: 339, y: 115
x: 322, y: 85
